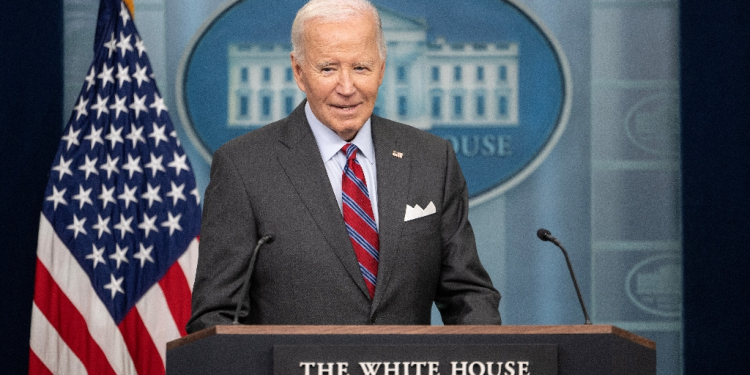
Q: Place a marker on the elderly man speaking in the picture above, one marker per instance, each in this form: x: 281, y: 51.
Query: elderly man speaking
x: 369, y: 216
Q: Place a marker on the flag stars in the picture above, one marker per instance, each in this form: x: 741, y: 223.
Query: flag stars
x: 100, y: 105
x: 90, y: 79
x: 124, y: 14
x: 152, y: 194
x: 71, y: 137
x: 89, y: 166
x: 97, y: 255
x: 124, y: 226
x: 139, y: 46
x: 111, y: 45
x: 173, y: 133
x: 77, y: 226
x: 138, y: 104
x: 124, y: 44
x: 119, y: 106
x: 132, y: 166
x: 155, y: 165
x: 197, y: 195
x: 158, y: 104
x: 115, y: 285
x: 106, y: 75
x: 140, y: 74
x: 122, y: 75
x: 83, y: 197
x: 95, y: 136
x: 80, y: 108
x: 58, y: 197
x: 120, y: 255
x: 63, y: 168
x: 110, y: 166
x: 144, y: 255
x: 172, y: 222
x: 128, y: 196
x: 102, y: 226
x: 107, y: 196
x: 136, y: 135
x: 179, y: 163
x: 148, y: 224
x: 158, y: 134
x: 176, y: 193
x: 114, y: 136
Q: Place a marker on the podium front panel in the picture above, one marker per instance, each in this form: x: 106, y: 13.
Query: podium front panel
x: 591, y: 352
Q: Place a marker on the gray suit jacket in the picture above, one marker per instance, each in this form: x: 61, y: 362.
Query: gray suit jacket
x: 273, y: 181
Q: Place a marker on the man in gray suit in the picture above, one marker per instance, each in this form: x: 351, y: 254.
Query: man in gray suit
x: 369, y: 216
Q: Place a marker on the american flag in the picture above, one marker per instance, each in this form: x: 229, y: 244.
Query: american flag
x: 118, y: 232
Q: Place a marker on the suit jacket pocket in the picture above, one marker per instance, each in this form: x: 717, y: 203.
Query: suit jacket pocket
x: 425, y: 223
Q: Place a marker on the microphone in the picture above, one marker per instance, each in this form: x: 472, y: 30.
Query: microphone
x: 250, y: 268
x: 545, y: 235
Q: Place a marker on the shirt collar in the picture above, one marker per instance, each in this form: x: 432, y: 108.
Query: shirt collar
x: 329, y: 143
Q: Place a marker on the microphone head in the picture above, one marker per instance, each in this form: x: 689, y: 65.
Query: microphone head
x: 543, y: 234
x: 268, y: 238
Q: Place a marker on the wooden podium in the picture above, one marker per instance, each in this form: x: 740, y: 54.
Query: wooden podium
x: 577, y: 349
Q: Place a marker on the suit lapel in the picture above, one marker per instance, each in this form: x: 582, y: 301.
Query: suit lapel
x: 393, y: 182
x: 300, y: 159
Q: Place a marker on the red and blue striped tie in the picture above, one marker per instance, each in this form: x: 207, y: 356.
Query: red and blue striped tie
x: 359, y: 219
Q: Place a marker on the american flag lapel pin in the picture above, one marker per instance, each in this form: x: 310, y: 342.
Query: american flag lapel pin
x: 398, y: 154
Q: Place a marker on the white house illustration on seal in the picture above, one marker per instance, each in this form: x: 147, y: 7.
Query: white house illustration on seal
x: 427, y: 83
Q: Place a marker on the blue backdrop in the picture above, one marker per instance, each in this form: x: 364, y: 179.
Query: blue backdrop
x: 579, y: 192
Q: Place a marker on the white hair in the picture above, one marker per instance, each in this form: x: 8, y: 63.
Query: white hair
x: 333, y: 11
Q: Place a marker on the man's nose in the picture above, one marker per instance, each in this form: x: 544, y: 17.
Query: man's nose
x: 346, y: 83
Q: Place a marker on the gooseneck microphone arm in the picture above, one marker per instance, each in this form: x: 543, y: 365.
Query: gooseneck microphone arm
x: 545, y: 235
x: 250, y: 268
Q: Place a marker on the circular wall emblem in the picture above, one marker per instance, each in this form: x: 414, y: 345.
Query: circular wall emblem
x: 485, y: 75
x: 655, y: 285
x: 652, y: 124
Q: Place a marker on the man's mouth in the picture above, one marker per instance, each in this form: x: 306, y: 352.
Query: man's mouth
x: 345, y: 107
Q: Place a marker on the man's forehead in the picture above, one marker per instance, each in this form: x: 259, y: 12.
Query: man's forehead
x: 325, y: 49
x: 358, y: 17
x: 317, y: 23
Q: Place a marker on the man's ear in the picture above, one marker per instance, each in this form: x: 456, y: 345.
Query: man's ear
x: 297, y: 71
x: 382, y: 73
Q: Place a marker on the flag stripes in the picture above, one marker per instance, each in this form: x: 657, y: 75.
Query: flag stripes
x: 36, y: 366
x: 68, y: 325
x: 173, y: 288
x: 70, y: 278
x: 53, y: 351
x: 140, y: 346
x: 188, y: 262
x: 151, y: 309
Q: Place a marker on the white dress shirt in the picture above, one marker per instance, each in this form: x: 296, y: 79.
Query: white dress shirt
x: 330, y: 144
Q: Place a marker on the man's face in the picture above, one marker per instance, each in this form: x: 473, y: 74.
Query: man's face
x: 341, y: 72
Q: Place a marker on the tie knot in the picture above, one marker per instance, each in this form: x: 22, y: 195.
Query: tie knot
x: 350, y: 149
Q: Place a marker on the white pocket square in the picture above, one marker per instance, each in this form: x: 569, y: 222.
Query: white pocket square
x: 416, y: 212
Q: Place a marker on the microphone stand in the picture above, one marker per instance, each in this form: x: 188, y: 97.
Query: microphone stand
x: 545, y: 235
x: 246, y: 284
